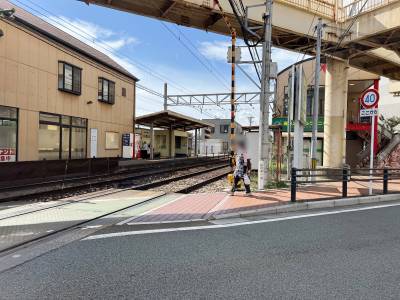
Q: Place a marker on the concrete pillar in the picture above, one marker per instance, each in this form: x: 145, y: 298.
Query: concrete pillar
x: 336, y: 85
x: 171, y: 140
x: 152, y: 141
x: 195, y: 142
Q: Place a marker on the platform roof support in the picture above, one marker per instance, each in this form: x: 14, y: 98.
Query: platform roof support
x: 171, y: 133
x: 151, y: 141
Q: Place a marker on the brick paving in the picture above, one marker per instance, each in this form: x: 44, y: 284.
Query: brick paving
x: 205, y: 205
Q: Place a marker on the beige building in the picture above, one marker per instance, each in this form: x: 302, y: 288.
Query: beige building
x: 59, y: 98
x: 358, y: 81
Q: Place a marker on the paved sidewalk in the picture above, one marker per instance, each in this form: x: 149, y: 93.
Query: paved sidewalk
x: 36, y: 222
x: 208, y: 205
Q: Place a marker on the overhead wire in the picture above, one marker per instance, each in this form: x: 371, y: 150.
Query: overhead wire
x: 105, y: 47
x: 210, y: 68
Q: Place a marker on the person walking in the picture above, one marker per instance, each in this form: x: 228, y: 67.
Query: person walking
x: 242, y: 171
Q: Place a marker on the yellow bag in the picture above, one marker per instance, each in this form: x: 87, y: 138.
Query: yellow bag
x: 230, y: 178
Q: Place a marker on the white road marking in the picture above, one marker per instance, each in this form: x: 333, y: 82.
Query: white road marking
x: 149, y: 211
x: 217, y: 207
x: 140, y: 232
x: 91, y: 227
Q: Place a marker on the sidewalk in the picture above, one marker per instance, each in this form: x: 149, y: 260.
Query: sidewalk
x: 206, y: 206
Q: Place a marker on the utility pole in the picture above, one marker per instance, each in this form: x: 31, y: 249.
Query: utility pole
x: 250, y: 120
x: 232, y: 30
x: 316, y: 97
x: 264, y: 99
x: 165, y: 96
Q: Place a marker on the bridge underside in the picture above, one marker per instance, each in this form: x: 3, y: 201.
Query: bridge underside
x: 292, y: 30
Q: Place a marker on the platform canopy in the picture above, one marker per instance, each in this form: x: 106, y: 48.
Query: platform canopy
x: 171, y: 120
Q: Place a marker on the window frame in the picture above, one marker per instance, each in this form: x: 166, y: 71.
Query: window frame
x: 63, y: 89
x: 16, y: 120
x: 222, y: 129
x: 102, y: 99
x: 69, y: 126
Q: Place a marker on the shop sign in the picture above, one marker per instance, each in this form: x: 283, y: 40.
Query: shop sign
x: 8, y: 154
x: 283, y: 121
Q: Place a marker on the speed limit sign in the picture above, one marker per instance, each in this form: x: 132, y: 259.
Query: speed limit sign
x: 370, y: 98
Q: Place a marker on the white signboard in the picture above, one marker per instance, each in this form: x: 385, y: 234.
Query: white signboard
x: 7, y: 154
x: 93, y: 142
x: 372, y: 112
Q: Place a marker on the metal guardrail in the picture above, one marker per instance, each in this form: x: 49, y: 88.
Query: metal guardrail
x: 336, y: 10
x: 343, y: 175
x: 356, y: 7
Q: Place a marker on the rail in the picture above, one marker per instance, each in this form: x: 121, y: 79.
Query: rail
x: 357, y: 7
x: 338, y: 10
x: 323, y: 8
x: 344, y: 176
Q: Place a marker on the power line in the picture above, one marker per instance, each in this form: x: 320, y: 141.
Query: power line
x: 103, y: 46
x: 209, y: 68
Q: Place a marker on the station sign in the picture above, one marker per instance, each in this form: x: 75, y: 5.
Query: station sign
x: 370, y: 112
x: 370, y: 98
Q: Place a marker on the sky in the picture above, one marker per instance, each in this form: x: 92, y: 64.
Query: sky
x: 191, y: 61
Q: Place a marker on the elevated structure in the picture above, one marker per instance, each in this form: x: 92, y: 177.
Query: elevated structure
x: 361, y: 33
x: 364, y: 32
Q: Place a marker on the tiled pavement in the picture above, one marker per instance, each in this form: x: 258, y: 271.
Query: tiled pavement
x: 204, y: 206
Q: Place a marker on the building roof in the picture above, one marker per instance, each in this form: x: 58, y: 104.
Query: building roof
x: 34, y: 23
x: 168, y: 119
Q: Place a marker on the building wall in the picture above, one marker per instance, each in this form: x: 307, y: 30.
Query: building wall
x: 217, y: 133
x: 162, y: 141
x: 29, y: 81
x: 309, y: 66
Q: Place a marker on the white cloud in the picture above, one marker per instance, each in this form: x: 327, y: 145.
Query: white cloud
x: 216, y: 50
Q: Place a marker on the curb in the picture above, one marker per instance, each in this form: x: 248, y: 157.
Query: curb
x: 303, y: 206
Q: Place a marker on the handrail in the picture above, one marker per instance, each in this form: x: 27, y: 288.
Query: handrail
x: 335, y: 10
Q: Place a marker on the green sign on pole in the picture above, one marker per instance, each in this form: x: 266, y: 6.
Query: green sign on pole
x: 283, y: 121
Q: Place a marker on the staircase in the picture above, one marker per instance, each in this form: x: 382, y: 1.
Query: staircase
x: 388, y: 143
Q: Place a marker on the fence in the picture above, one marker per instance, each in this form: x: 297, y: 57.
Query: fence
x: 338, y: 10
x: 346, y: 177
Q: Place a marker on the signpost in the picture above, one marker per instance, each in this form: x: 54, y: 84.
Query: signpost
x: 369, y: 101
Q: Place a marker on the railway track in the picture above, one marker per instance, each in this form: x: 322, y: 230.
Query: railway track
x: 55, y: 189
x: 185, y: 182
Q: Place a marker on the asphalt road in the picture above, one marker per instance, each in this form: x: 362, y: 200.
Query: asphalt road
x: 343, y: 256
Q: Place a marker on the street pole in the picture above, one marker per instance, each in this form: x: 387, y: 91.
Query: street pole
x: 316, y: 98
x: 165, y: 96
x: 371, y: 158
x: 264, y: 100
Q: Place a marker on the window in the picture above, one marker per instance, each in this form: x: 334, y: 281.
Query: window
x: 161, y: 141
x: 62, y: 137
x: 112, y: 141
x: 106, y: 91
x: 69, y: 78
x: 8, y: 133
x: 212, y: 130
x: 123, y: 92
x: 224, y: 128
x: 178, y: 142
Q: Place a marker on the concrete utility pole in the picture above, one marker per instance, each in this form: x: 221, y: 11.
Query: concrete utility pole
x: 316, y: 98
x: 165, y: 96
x: 250, y: 120
x: 264, y: 135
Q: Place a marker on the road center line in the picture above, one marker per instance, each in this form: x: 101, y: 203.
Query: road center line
x: 140, y: 232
